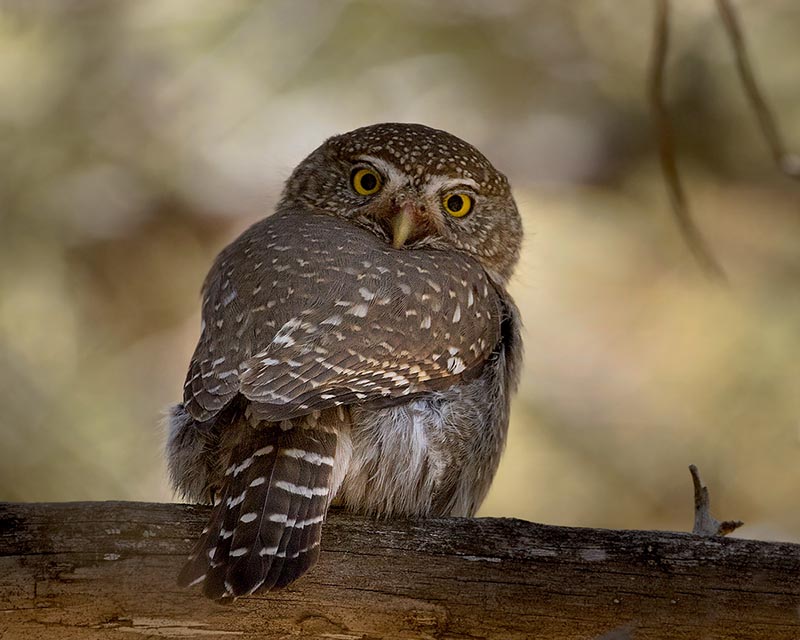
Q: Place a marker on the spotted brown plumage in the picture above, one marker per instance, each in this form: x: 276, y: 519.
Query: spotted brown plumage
x: 291, y: 348
x: 356, y: 346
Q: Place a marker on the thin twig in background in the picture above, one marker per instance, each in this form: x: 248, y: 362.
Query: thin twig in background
x: 680, y: 207
x: 788, y: 163
x: 704, y: 523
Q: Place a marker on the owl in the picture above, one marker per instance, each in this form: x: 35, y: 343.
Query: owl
x: 358, y: 347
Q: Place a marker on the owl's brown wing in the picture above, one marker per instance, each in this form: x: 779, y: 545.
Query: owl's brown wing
x: 375, y: 345
x: 349, y: 320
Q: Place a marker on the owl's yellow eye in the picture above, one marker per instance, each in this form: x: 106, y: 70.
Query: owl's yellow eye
x: 366, y: 181
x: 457, y: 204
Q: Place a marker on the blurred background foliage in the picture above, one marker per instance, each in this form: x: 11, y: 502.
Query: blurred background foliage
x: 137, y: 138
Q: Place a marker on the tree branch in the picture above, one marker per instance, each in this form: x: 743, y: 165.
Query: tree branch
x: 669, y: 166
x: 704, y: 523
x: 788, y: 163
x: 106, y: 570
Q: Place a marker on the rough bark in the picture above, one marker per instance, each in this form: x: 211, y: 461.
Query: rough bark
x: 106, y: 570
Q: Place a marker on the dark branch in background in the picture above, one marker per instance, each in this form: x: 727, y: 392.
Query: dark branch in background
x: 680, y: 206
x: 788, y: 163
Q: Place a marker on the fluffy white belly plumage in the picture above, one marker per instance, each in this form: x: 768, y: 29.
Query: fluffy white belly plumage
x: 435, y: 456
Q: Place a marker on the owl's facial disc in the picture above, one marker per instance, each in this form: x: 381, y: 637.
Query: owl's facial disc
x: 391, y: 200
x: 420, y: 207
x: 413, y: 187
x: 410, y: 207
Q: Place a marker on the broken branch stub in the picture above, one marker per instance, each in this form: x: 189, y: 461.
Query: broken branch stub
x: 704, y: 523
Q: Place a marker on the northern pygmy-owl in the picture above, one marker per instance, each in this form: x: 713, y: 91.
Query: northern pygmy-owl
x: 358, y: 346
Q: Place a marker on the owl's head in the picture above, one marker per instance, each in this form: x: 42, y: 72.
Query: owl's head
x: 413, y: 186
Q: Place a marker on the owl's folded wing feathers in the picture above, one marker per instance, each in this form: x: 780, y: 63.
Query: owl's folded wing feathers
x: 381, y: 325
x: 370, y: 357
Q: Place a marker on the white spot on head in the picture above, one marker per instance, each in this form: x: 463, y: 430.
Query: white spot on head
x: 366, y: 294
x: 426, y: 323
x: 457, y: 313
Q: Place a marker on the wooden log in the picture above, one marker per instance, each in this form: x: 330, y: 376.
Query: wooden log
x: 107, y: 570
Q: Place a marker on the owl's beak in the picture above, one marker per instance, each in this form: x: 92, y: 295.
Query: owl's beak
x: 403, y: 224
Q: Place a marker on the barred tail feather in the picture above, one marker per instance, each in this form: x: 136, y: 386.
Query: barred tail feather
x: 305, y: 543
x: 305, y: 478
x: 304, y: 546
x: 253, y: 467
x: 276, y: 492
x: 300, y: 554
x: 208, y: 561
x: 261, y: 527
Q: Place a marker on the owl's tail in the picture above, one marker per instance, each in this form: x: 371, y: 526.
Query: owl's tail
x: 265, y: 528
